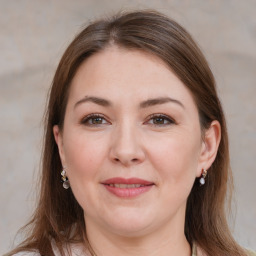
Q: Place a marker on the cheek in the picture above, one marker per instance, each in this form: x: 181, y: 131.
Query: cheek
x: 175, y: 157
x: 84, y: 155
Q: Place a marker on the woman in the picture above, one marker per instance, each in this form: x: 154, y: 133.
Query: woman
x: 136, y: 133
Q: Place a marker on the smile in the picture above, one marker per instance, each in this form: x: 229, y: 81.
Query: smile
x: 127, y: 185
x: 127, y: 188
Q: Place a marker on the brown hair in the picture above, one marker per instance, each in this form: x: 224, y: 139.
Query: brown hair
x: 58, y: 215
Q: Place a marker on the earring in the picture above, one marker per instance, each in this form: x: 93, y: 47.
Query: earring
x: 65, y: 180
x: 202, y: 179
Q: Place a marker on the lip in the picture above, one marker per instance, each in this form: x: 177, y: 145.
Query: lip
x: 119, y: 180
x: 129, y: 192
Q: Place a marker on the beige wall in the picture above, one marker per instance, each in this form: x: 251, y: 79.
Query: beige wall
x: 34, y: 34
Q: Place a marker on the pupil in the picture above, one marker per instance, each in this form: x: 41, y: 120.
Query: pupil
x: 97, y: 120
x: 159, y: 120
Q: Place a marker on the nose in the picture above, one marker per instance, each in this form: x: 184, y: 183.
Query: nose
x: 126, y: 146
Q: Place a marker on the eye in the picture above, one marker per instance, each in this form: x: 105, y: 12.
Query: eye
x: 94, y: 120
x: 160, y: 120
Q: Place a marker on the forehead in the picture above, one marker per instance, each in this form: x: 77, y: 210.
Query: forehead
x: 120, y: 73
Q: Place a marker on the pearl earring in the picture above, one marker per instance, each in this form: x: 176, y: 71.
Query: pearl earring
x: 65, y: 180
x: 202, y: 179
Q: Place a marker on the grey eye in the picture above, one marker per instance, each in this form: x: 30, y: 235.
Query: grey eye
x: 94, y: 120
x: 160, y: 120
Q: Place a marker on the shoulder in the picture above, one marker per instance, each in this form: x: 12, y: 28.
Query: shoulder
x: 196, y: 251
x: 27, y: 254
x: 251, y: 253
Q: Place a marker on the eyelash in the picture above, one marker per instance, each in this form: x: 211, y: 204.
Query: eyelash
x: 165, y: 118
x: 90, y: 117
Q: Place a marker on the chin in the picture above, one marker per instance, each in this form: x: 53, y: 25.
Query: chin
x: 128, y: 231
x: 129, y: 224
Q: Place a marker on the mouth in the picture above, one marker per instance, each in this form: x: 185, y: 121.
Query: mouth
x: 126, y: 185
x: 127, y: 188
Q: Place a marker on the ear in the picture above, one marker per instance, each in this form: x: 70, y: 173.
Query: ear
x: 209, y: 148
x: 59, y: 141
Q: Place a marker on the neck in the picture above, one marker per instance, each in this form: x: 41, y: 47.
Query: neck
x: 158, y: 243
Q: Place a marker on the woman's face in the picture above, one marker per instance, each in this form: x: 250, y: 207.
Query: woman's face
x: 131, y: 142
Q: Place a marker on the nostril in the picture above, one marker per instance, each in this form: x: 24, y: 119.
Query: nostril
x: 134, y: 160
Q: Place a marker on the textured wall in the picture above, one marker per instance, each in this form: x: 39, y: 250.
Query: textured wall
x: 34, y: 34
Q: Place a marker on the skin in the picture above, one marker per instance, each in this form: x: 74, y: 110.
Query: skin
x: 126, y: 141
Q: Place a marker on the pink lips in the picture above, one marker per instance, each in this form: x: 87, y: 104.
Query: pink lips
x: 122, y: 187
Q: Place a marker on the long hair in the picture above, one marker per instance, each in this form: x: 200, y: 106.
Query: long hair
x: 58, y: 215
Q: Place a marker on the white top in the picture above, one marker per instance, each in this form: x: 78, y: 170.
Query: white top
x: 75, y: 249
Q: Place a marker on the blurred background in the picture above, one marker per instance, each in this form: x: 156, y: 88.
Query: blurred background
x: 33, y: 36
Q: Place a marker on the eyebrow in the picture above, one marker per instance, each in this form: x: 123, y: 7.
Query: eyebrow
x: 159, y: 101
x: 143, y: 104
x: 96, y: 100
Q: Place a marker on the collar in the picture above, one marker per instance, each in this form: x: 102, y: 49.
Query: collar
x: 194, y: 250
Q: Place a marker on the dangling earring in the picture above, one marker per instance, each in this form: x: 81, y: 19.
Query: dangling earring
x: 202, y: 179
x: 65, y: 180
